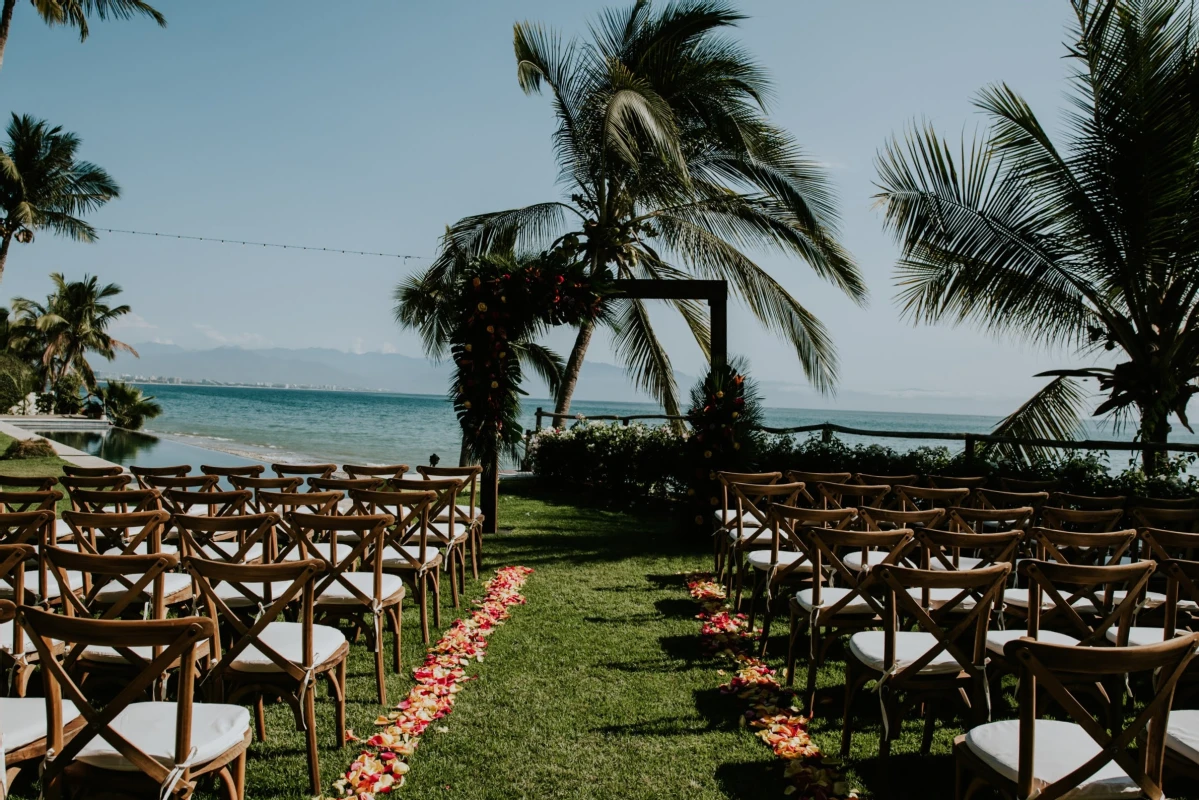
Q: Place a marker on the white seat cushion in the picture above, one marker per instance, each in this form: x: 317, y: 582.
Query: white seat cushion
x: 325, y: 549
x: 867, y: 646
x: 963, y: 562
x: 940, y: 596
x: 173, y: 583
x: 1019, y: 599
x: 833, y: 594
x: 32, y: 576
x: 1059, y: 748
x: 286, y: 639
x: 1182, y: 733
x: 725, y: 516
x: 1138, y: 636
x: 750, y: 531
x: 216, y: 728
x: 440, y: 531
x: 23, y: 719
x: 394, y: 560
x: 141, y: 550
x: 997, y: 639
x: 110, y: 655
x: 339, y: 594
x: 6, y: 642
x: 1151, y: 600
x: 235, y: 599
x: 760, y: 559
x: 857, y: 563
x: 467, y: 513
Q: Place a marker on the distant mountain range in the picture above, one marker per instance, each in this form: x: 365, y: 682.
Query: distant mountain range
x: 393, y: 372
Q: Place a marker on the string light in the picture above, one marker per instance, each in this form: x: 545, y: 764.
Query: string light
x: 262, y: 244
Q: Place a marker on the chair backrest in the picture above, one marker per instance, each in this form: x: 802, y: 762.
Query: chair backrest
x: 849, y: 495
x: 344, y: 485
x: 788, y: 524
x: 1086, y: 502
x: 284, y: 505
x: 215, y: 503
x: 993, y: 498
x: 942, y: 549
x: 255, y: 484
x: 959, y: 627
x: 1025, y: 485
x: 410, y: 512
x: 73, y: 471
x: 468, y: 475
x: 955, y: 482
x: 752, y: 502
x: 1174, y: 519
x: 1072, y: 547
x: 73, y: 484
x: 245, y: 471
x: 303, y: 470
x: 919, y: 498
x: 30, y: 483
x: 877, y: 519
x: 1164, y: 502
x: 342, y: 558
x: 118, y: 501
x: 134, y: 577
x: 142, y: 473
x: 127, y: 533
x: 188, y: 483
x: 727, y: 478
x: 446, y: 506
x: 1055, y: 671
x: 1082, y: 521
x: 798, y: 476
x: 825, y: 544
x: 200, y: 536
x: 174, y: 640
x: 1162, y: 545
x: 12, y: 575
x: 29, y: 500
x: 883, y: 480
x: 381, y: 471
x: 1064, y: 585
x: 990, y: 520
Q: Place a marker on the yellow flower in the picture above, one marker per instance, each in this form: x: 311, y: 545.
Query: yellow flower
x: 466, y: 404
x: 482, y: 306
x: 503, y: 298
x: 707, y: 454
x: 469, y: 348
x: 691, y: 493
x: 495, y: 384
x: 699, y: 520
x: 491, y: 329
x: 736, y: 414
x: 503, y: 354
x: 736, y: 445
x: 715, y: 501
x: 720, y: 395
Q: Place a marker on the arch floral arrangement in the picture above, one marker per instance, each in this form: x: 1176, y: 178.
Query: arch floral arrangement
x: 503, y: 304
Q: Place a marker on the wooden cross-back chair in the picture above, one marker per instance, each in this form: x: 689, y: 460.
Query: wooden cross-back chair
x: 346, y: 506
x: 18, y: 657
x: 726, y: 515
x: 118, y: 587
x: 1082, y: 756
x: 381, y: 471
x: 826, y: 613
x: 470, y: 511
x: 128, y: 747
x: 1139, y: 501
x: 142, y: 473
x: 1081, y: 521
x: 1028, y: 485
x: 255, y: 484
x: 971, y: 482
x: 210, y: 502
x: 447, y: 529
x: 117, y: 533
x: 407, y: 551
x: 877, y: 519
x: 944, y: 658
x: 799, y: 476
x: 1174, y: 519
x: 849, y: 495
x: 941, y: 550
x: 996, y: 499
x: 354, y: 585
x: 231, y: 539
x: 243, y: 471
x: 187, y: 483
x: 303, y: 471
x: 93, y: 483
x: 28, y: 483
x: 1069, y: 547
x: 285, y: 545
x: 30, y: 528
x: 23, y: 719
x: 989, y: 520
x: 865, y: 479
x: 106, y: 501
x: 1086, y: 502
x: 1084, y: 601
x: 73, y: 471
x: 29, y: 499
x: 266, y: 657
x: 752, y: 528
x: 789, y: 556
x: 923, y: 498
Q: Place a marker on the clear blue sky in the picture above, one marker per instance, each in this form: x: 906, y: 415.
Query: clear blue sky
x: 371, y: 125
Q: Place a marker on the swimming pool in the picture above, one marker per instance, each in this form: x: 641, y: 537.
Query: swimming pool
x: 129, y: 448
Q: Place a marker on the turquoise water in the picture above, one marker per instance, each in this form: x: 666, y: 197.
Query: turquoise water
x: 346, y: 427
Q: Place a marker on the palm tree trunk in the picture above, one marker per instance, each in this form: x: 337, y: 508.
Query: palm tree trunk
x: 1154, y: 428
x: 5, y: 24
x: 574, y: 364
x: 7, y: 240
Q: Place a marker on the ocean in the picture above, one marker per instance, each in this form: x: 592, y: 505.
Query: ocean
x: 346, y: 427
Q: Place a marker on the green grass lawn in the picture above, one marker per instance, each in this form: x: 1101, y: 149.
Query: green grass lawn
x: 27, y: 467
x: 597, y: 688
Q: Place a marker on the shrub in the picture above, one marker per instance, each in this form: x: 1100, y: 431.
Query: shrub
x: 17, y: 380
x: 28, y: 448
x: 625, y: 460
x: 66, y: 394
x: 126, y: 406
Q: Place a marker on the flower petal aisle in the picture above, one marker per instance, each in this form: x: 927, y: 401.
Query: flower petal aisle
x: 383, y: 768
x: 771, y: 711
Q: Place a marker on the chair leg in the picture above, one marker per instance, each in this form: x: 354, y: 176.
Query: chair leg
x: 260, y: 718
x: 767, y: 618
x: 930, y: 721
x: 816, y: 653
x: 396, y: 621
x: 339, y: 697
x: 455, y: 555
x: 424, y: 606
x: 793, y: 632
x: 850, y: 687
x: 740, y: 584
x: 436, y: 598
x: 379, y: 677
x: 754, y: 594
x: 314, y: 767
x: 235, y: 784
x: 474, y: 552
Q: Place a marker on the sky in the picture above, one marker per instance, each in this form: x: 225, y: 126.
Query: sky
x: 372, y: 125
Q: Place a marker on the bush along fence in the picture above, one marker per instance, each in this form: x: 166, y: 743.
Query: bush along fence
x: 627, y: 459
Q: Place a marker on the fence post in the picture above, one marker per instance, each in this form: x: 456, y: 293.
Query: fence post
x: 826, y: 434
x: 539, y: 413
x: 970, y: 443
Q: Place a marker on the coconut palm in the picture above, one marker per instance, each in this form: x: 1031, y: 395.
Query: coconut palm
x: 42, y: 185
x: 125, y: 405
x: 1091, y: 243
x: 72, y: 324
x: 670, y: 170
x: 75, y: 14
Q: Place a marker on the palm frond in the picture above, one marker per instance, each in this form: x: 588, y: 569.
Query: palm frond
x: 1052, y: 413
x: 547, y: 364
x: 636, y: 343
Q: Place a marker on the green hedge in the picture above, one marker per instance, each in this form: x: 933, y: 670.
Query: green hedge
x: 643, y: 461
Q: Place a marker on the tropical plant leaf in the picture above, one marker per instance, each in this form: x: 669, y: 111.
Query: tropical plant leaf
x: 1052, y: 413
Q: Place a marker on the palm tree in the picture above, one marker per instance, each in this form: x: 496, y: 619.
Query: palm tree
x: 670, y: 170
x: 126, y: 406
x: 73, y: 324
x: 1091, y: 245
x: 42, y: 185
x: 75, y: 13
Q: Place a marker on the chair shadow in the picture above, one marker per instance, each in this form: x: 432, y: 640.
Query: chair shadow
x: 751, y: 780
x: 722, y: 711
x: 907, y: 776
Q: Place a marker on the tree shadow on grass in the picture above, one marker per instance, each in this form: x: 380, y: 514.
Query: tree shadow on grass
x: 722, y: 711
x: 677, y: 608
x: 907, y: 776
x: 751, y: 780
